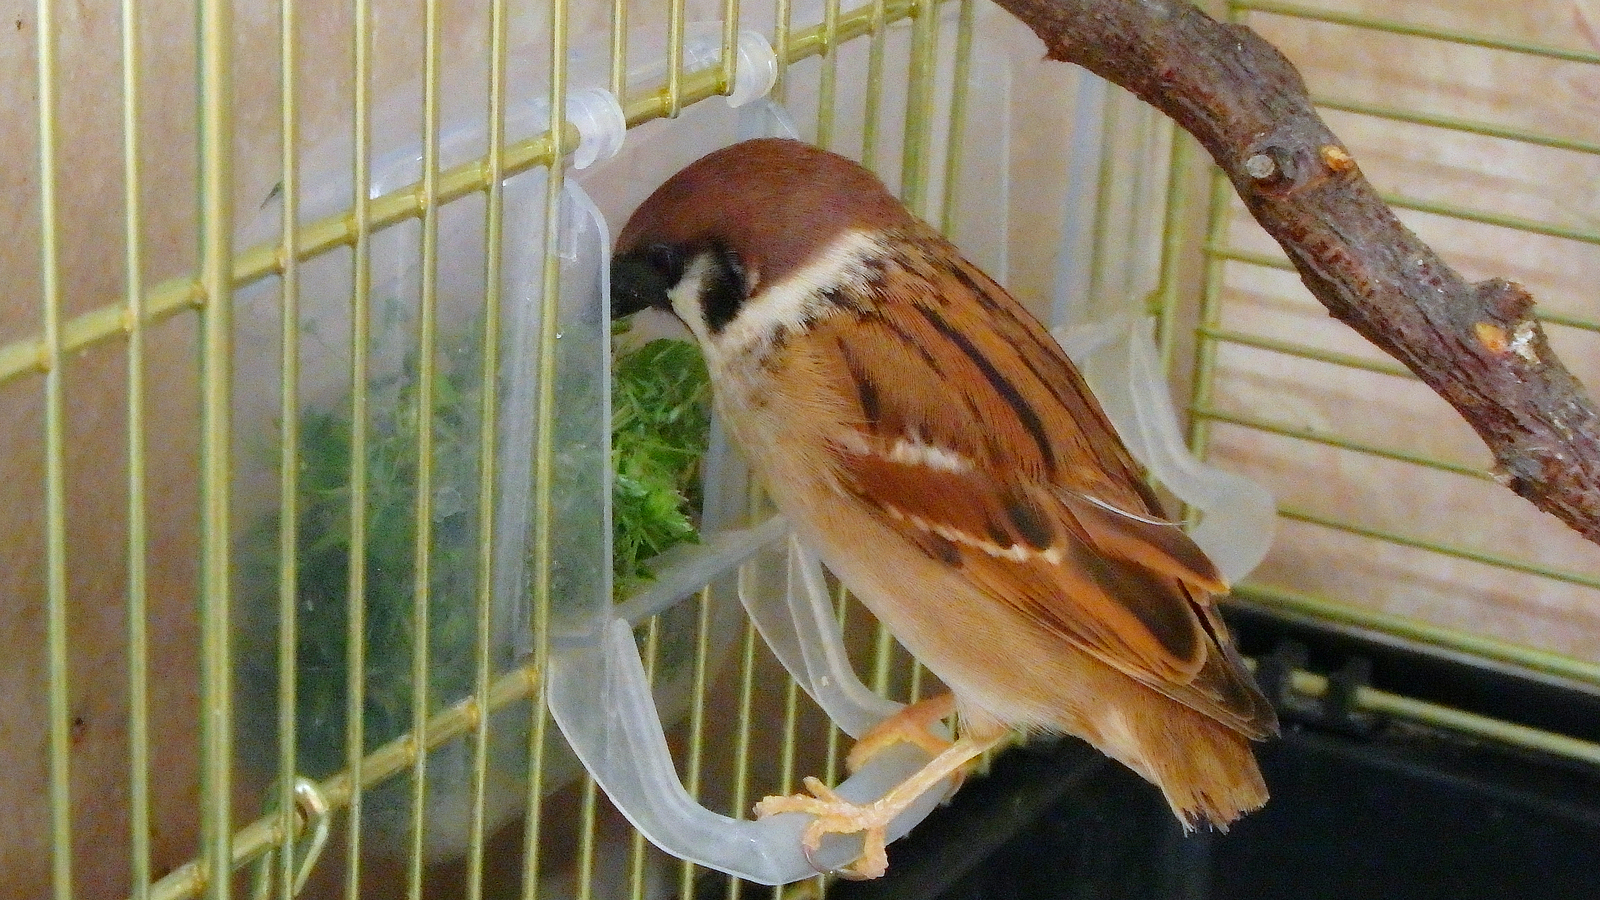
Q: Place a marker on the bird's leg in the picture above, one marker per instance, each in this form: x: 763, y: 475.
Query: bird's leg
x: 833, y: 814
x: 912, y: 725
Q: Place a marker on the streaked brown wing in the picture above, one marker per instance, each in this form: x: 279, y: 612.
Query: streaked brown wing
x: 1019, y: 472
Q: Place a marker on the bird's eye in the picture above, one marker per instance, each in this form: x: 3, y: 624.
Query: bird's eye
x: 668, y: 260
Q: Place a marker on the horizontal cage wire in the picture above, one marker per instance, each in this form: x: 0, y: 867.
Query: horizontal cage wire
x: 417, y: 757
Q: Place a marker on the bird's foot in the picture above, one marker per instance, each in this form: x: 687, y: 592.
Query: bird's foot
x: 911, y: 725
x: 833, y: 814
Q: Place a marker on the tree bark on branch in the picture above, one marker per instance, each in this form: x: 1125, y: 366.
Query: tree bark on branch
x: 1477, y: 345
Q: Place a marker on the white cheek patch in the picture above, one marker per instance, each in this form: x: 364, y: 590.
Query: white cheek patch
x: 685, y: 297
x: 790, y: 304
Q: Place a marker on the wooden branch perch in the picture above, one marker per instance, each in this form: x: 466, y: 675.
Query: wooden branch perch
x: 1477, y: 345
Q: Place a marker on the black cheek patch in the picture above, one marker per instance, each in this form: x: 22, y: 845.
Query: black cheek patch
x: 668, y: 259
x: 723, y: 293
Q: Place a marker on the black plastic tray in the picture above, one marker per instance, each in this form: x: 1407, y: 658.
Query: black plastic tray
x: 1361, y: 808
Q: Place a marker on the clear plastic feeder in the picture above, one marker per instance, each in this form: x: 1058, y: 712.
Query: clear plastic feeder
x: 391, y: 381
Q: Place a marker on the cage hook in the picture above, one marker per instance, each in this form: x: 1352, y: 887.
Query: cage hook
x: 315, y: 813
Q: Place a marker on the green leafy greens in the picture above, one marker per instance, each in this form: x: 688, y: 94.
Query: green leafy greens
x: 660, y: 422
x: 660, y: 425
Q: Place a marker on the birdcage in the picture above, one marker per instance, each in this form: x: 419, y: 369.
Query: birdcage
x: 308, y: 404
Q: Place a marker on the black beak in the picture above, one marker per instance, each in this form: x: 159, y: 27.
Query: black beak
x: 642, y: 278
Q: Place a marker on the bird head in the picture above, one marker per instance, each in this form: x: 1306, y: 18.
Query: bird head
x: 711, y: 242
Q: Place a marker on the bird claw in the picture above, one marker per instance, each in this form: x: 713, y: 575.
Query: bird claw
x: 833, y: 814
x: 845, y: 872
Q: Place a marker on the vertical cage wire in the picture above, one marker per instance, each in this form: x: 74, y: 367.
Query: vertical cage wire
x: 787, y: 749
x: 637, y: 859
x: 216, y: 437
x: 360, y: 418
x: 783, y: 48
x: 874, y: 87
x: 427, y: 363
x: 730, y: 44
x: 919, y: 99
x: 618, y: 49
x: 675, y: 38
x: 138, y: 638
x: 955, y: 135
x: 288, y: 447
x: 742, y: 734
x: 828, y: 84
x: 830, y: 769
x: 542, y: 557
x: 687, y: 871
x: 1175, y: 213
x: 55, y: 475
x: 587, y: 825
x: 488, y: 441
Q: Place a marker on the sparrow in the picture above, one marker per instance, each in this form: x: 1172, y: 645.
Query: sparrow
x: 934, y: 445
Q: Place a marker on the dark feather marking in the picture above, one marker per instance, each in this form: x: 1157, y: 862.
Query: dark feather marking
x: 906, y: 338
x: 979, y: 293
x: 998, y: 534
x: 991, y: 440
x: 1002, y: 385
x: 940, y: 548
x: 1081, y: 399
x: 1018, y: 333
x: 1030, y: 522
x: 839, y: 298
x: 997, y: 446
x: 1050, y: 384
x: 866, y: 389
x: 771, y: 355
x: 1170, y: 623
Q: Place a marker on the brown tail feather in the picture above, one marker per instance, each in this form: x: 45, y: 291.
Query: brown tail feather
x: 1206, y: 769
x: 1208, y: 773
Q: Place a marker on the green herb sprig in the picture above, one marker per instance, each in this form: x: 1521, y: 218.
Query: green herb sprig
x: 660, y: 423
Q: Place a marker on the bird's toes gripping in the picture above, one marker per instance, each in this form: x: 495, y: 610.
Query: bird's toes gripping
x: 833, y: 814
x: 911, y: 725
